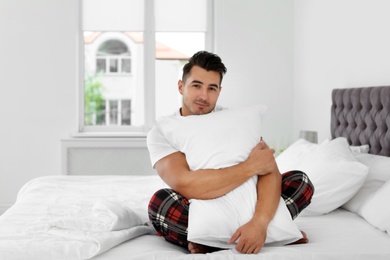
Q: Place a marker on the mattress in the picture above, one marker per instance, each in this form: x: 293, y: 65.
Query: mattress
x: 338, y: 235
x: 34, y: 227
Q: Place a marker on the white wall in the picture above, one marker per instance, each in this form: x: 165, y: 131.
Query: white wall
x: 38, y: 72
x: 338, y: 44
x: 255, y: 41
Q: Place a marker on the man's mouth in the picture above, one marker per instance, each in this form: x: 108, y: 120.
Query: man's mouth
x: 201, y: 104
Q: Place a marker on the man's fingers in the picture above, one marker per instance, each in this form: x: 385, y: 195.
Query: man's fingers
x: 265, y: 145
x: 248, y: 249
x: 234, y: 238
x: 240, y: 247
x: 262, y: 144
x: 257, y: 250
x: 251, y: 249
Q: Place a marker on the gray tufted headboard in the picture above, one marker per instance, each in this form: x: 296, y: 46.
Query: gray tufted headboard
x: 362, y: 115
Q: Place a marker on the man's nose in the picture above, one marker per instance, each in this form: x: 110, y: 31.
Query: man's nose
x: 203, y: 93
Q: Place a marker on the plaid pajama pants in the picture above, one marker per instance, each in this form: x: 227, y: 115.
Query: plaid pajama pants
x: 168, y: 210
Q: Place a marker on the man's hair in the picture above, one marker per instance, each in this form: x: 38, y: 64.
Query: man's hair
x: 206, y: 60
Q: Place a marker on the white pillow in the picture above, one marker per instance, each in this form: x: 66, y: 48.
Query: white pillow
x: 293, y: 155
x: 365, y: 148
x: 217, y: 140
x: 213, y: 222
x: 378, y: 174
x: 290, y: 158
x: 335, y: 174
x: 377, y: 209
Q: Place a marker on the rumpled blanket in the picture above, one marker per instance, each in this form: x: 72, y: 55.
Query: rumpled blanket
x: 75, y: 217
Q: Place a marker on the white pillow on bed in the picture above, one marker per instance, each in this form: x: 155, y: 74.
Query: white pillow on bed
x: 218, y: 140
x: 376, y: 210
x: 293, y: 155
x: 290, y: 158
x: 335, y: 174
x: 365, y: 148
x: 332, y: 168
x: 378, y: 174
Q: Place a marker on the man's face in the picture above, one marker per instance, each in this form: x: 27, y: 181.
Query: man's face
x: 200, y: 91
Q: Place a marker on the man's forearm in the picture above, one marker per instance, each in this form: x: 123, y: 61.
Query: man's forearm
x: 268, y: 196
x: 212, y: 183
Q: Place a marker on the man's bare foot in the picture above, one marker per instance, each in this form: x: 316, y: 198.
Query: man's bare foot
x: 303, y: 240
x: 195, y: 248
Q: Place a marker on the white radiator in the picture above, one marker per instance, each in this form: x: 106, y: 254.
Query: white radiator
x: 105, y: 156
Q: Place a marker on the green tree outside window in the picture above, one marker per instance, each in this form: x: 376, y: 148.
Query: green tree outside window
x: 94, y: 101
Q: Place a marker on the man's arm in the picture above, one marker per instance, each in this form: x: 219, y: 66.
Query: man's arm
x: 213, y: 183
x: 268, y: 197
x: 253, y: 234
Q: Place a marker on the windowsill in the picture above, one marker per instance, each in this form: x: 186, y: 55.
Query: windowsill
x: 109, y: 135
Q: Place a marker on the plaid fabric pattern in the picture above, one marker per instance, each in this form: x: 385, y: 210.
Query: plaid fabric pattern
x: 297, y: 191
x: 168, y: 210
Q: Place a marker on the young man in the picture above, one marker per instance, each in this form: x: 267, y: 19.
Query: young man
x: 200, y: 87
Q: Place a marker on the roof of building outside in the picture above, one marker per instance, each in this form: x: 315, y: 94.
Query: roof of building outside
x: 163, y: 52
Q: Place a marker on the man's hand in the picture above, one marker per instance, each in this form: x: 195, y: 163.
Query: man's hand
x: 251, y: 237
x: 261, y: 160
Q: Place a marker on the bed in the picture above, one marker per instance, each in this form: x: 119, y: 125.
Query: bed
x: 105, y: 217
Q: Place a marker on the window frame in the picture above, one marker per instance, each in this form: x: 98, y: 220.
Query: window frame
x: 149, y: 57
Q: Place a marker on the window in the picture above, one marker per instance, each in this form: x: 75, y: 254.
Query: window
x: 113, y: 57
x: 134, y: 51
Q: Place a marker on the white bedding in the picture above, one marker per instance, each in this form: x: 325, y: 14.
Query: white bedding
x: 41, y: 226
x: 340, y: 235
x: 78, y: 217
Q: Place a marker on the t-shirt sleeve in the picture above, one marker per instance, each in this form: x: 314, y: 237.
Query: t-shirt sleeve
x: 158, y: 145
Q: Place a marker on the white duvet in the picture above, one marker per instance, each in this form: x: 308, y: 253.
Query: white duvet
x: 75, y: 217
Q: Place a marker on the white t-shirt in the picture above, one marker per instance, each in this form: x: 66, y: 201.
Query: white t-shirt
x: 158, y: 145
x: 216, y: 108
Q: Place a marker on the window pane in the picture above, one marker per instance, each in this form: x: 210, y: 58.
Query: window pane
x: 101, y: 115
x: 113, y: 65
x: 126, y: 110
x: 172, y: 52
x: 113, y: 112
x: 126, y: 66
x: 121, y: 50
x: 101, y: 65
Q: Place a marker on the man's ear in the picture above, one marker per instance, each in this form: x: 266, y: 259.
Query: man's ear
x: 180, y: 86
